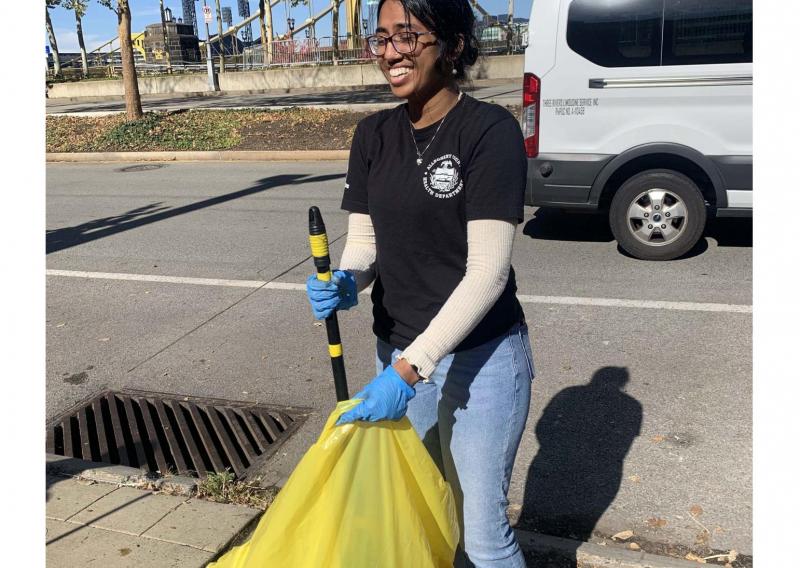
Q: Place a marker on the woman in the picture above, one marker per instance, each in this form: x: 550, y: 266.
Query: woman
x: 435, y: 188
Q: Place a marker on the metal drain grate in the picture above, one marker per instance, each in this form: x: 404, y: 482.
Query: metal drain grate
x: 169, y: 433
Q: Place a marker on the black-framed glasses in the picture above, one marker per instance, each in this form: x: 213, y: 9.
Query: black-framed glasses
x: 403, y: 42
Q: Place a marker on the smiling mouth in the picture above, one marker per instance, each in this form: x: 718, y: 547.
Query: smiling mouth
x: 399, y: 71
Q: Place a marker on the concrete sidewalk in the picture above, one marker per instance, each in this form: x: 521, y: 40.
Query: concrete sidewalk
x: 114, y: 525
x: 101, y: 524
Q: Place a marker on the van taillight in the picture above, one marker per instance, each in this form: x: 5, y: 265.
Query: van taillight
x: 531, y: 87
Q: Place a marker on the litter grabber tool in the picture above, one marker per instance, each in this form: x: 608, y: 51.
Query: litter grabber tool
x: 318, y: 239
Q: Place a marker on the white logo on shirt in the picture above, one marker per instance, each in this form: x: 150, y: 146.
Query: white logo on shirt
x: 442, y: 178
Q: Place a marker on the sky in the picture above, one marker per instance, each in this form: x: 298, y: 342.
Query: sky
x: 100, y: 23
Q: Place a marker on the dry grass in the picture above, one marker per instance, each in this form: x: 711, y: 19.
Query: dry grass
x: 290, y: 129
x: 223, y: 488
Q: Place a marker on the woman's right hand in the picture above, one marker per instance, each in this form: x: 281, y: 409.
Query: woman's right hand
x: 339, y: 293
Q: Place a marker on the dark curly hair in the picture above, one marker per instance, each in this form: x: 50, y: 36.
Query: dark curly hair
x: 453, y: 21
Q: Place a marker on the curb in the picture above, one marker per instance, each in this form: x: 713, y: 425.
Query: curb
x: 192, y: 94
x: 595, y: 554
x: 213, y: 156
x: 118, y: 475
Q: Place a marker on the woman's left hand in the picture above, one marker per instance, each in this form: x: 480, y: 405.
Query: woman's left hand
x: 384, y: 398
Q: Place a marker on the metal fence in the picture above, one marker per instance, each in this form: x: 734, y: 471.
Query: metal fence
x: 284, y: 53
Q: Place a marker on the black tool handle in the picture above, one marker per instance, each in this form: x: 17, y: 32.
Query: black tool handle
x: 322, y: 260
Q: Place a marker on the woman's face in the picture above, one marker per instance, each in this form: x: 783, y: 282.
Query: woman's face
x: 409, y: 74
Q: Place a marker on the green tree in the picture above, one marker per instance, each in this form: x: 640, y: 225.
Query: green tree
x: 133, y: 101
x: 79, y: 7
x: 50, y: 4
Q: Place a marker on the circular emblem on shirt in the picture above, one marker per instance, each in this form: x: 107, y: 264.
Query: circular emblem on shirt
x: 442, y: 178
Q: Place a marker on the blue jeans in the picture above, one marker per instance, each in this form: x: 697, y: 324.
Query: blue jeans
x: 471, y: 416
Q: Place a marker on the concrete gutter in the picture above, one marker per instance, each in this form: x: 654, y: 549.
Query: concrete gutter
x: 595, y: 555
x: 214, y: 156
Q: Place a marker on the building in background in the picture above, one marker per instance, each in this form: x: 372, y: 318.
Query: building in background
x: 189, y: 15
x: 244, y: 13
x: 137, y: 39
x: 182, y: 43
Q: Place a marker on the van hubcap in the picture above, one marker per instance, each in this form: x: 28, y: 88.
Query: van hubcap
x: 657, y: 217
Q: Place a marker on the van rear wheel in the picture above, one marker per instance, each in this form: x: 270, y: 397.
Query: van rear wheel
x: 657, y: 215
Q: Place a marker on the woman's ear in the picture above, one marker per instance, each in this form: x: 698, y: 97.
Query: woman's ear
x: 460, y: 47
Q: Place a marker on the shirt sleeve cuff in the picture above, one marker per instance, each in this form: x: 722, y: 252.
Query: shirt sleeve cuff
x: 421, y: 356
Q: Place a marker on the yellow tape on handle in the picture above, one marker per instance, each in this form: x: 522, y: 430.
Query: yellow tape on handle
x: 319, y: 245
x: 335, y: 350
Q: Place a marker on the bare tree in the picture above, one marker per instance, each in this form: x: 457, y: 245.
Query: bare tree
x: 79, y: 7
x: 265, y: 21
x: 52, y: 35
x: 221, y: 42
x: 133, y: 101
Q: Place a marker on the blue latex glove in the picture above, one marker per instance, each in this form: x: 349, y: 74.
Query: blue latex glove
x: 384, y: 398
x: 339, y: 293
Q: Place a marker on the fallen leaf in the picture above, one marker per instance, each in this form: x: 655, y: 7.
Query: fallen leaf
x: 634, y: 478
x: 657, y: 439
x: 317, y: 324
x: 656, y: 522
x: 694, y: 557
x: 634, y: 546
x: 696, y: 510
x: 60, y: 325
x: 702, y: 538
x: 624, y: 535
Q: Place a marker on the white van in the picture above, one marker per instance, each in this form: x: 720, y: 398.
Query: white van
x: 642, y: 108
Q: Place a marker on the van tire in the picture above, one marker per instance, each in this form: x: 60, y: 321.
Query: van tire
x: 657, y: 198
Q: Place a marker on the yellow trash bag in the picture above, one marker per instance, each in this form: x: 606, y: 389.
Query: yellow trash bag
x: 365, y: 495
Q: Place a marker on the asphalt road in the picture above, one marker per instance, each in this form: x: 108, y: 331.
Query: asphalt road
x: 640, y: 418
x: 504, y: 92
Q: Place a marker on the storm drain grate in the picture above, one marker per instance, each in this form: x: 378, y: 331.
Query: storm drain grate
x: 170, y: 433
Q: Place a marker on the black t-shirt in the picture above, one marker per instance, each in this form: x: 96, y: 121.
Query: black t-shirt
x: 474, y: 168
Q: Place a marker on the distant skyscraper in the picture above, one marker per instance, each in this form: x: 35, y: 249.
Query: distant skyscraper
x: 189, y: 16
x: 244, y: 12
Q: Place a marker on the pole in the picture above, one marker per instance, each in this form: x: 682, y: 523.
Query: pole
x: 510, y: 23
x: 322, y: 260
x: 212, y: 84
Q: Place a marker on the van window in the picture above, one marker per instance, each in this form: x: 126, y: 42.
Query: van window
x: 616, y: 33
x: 698, y: 32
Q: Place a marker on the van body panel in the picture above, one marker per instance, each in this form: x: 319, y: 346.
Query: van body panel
x: 701, y: 112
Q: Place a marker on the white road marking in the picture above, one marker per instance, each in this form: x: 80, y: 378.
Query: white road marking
x: 523, y: 298
x: 649, y: 304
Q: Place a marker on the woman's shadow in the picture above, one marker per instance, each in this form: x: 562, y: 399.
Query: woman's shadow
x: 584, y: 434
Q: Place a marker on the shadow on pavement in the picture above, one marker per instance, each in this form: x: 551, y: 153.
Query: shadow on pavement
x: 66, y: 237
x: 584, y: 434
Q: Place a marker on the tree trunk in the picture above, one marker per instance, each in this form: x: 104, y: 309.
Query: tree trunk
x: 53, y: 44
x: 265, y: 22
x: 133, y: 102
x: 221, y: 42
x: 84, y: 60
x: 335, y: 32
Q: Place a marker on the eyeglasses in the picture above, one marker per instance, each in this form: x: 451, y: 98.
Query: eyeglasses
x: 403, y: 42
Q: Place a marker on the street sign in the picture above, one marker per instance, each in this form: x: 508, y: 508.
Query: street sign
x: 207, y: 14
x: 47, y: 49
